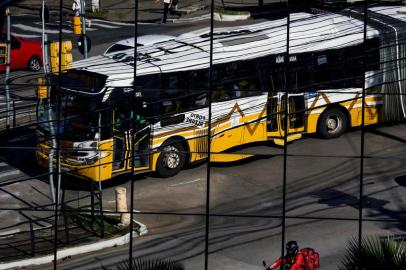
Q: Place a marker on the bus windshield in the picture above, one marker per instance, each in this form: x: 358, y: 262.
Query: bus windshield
x: 81, y: 117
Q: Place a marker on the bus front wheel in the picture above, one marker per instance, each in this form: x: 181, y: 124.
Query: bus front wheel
x: 171, y: 159
x: 332, y: 123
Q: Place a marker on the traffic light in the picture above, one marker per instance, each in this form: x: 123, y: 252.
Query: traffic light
x: 42, y: 88
x: 77, y: 25
x: 3, y: 53
x: 66, y: 55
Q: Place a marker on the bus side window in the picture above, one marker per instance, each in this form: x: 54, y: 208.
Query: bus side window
x: 169, y: 91
x: 246, y: 87
x: 222, y: 86
x: 198, y: 85
x: 277, y: 81
x: 176, y: 92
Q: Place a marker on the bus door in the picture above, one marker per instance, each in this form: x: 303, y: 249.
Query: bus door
x: 276, y: 117
x: 142, y: 146
x: 120, y: 140
x: 297, y: 113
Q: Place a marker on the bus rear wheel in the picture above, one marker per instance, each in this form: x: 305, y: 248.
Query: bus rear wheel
x: 171, y: 159
x: 332, y: 123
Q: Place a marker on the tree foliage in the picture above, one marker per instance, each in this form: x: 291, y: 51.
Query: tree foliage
x: 147, y: 264
x: 375, y: 254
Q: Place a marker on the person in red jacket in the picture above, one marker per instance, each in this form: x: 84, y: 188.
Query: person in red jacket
x: 294, y: 260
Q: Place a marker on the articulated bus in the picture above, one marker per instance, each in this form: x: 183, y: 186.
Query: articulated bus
x: 166, y: 119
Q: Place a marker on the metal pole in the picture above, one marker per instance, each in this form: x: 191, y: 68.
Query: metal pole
x: 133, y: 126
x: 83, y: 17
x: 100, y: 186
x: 32, y: 235
x: 50, y: 120
x: 285, y: 135
x: 65, y: 218
x: 14, y: 114
x: 44, y: 41
x: 362, y: 150
x: 51, y: 153
x: 59, y: 180
x: 208, y: 167
x: 8, y: 69
x: 58, y: 150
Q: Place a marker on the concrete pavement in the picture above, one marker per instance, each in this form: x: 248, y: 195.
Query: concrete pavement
x: 246, y: 200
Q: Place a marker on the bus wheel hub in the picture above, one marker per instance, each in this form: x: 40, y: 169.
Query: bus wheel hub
x: 172, y: 158
x: 332, y: 124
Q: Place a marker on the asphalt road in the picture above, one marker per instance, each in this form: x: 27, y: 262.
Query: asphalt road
x: 246, y: 203
x: 322, y: 192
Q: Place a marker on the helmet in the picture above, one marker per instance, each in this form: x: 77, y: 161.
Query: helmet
x: 292, y: 248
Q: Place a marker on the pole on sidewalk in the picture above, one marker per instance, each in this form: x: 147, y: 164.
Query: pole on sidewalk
x: 121, y: 205
x: 83, y: 16
x: 7, y: 77
x: 50, y: 120
x: 44, y: 42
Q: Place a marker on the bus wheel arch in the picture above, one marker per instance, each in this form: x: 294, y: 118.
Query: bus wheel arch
x: 333, y: 122
x: 173, y: 156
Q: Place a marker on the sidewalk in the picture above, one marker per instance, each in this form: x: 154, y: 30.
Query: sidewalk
x: 122, y: 11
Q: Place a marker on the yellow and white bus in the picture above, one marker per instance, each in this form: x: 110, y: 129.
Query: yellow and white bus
x: 166, y: 119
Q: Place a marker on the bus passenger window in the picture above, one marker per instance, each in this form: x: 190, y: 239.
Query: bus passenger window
x: 199, y: 80
x: 220, y: 94
x: 201, y: 100
x: 246, y: 88
x: 277, y: 81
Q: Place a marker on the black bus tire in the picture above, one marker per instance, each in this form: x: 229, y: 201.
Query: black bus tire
x: 171, y: 159
x: 332, y: 123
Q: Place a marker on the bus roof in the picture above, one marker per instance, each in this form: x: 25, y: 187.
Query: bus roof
x: 189, y: 51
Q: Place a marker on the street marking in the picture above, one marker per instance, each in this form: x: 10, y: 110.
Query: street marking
x: 187, y: 182
x: 15, y: 102
x: 114, y: 23
x: 9, y: 173
x: 39, y: 30
x: 25, y: 36
x: 68, y: 25
x: 56, y: 24
x: 103, y: 25
x: 97, y: 24
x: 5, y: 234
x: 6, y: 195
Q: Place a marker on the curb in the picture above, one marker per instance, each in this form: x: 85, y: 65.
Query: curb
x: 224, y: 17
x: 122, y: 240
x: 220, y: 17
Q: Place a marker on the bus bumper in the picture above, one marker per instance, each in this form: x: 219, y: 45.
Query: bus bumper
x: 100, y: 170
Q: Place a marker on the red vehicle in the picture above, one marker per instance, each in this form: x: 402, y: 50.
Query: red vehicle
x: 25, y: 53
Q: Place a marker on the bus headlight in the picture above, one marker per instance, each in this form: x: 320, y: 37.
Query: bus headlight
x: 84, y: 153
